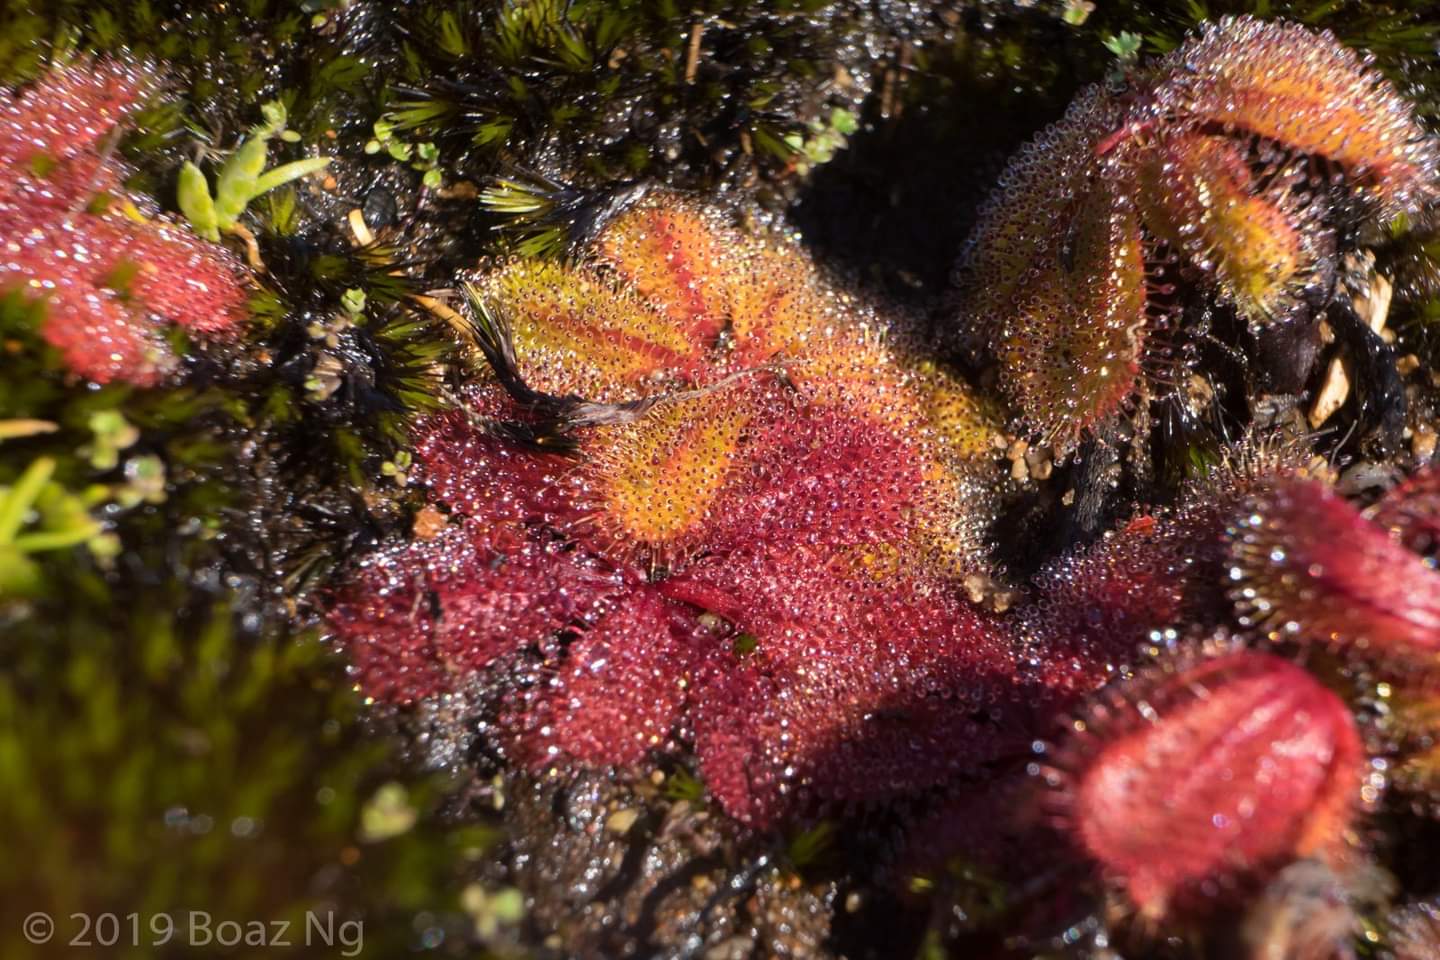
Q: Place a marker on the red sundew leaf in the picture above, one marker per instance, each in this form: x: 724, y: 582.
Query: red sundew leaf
x: 68, y: 112
x: 857, y: 690
x: 57, y: 194
x: 483, y: 476
x: 180, y: 277
x: 619, y: 692
x: 417, y: 617
x: 111, y: 282
x: 96, y: 336
x: 821, y: 476
x: 1098, y: 606
x: 1191, y: 788
x: 1309, y: 566
x: 1412, y: 511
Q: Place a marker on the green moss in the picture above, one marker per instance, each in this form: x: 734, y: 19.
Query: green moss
x: 159, y: 759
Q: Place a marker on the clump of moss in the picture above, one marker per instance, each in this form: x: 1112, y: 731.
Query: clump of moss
x: 623, y: 90
x: 163, y: 762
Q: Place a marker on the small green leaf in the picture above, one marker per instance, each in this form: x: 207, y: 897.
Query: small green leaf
x: 452, y: 37
x: 113, y: 433
x: 1125, y: 46
x: 19, y: 575
x: 1076, y: 12
x: 843, y: 121
x: 353, y: 300
x: 196, y: 203
x: 684, y: 785
x: 275, y: 117
x: 388, y: 814
x: 284, y: 173
x: 809, y: 846
x: 25, y: 427
x: 17, y: 500
x: 72, y: 536
x: 236, y: 186
x: 284, y: 213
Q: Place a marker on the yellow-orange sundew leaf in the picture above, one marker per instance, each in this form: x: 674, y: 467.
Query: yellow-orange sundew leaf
x: 853, y: 369
x: 655, y: 480
x: 1070, y: 351
x: 1016, y: 234
x: 677, y: 256
x: 965, y: 422
x: 950, y: 522
x: 780, y: 305
x: 1307, y: 91
x: 1053, y: 278
x: 1197, y: 194
x: 952, y: 431
x: 575, y: 333
x: 760, y: 291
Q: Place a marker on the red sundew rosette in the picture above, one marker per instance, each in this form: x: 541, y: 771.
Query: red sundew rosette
x: 1310, y: 567
x: 1190, y: 789
x: 111, y: 282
